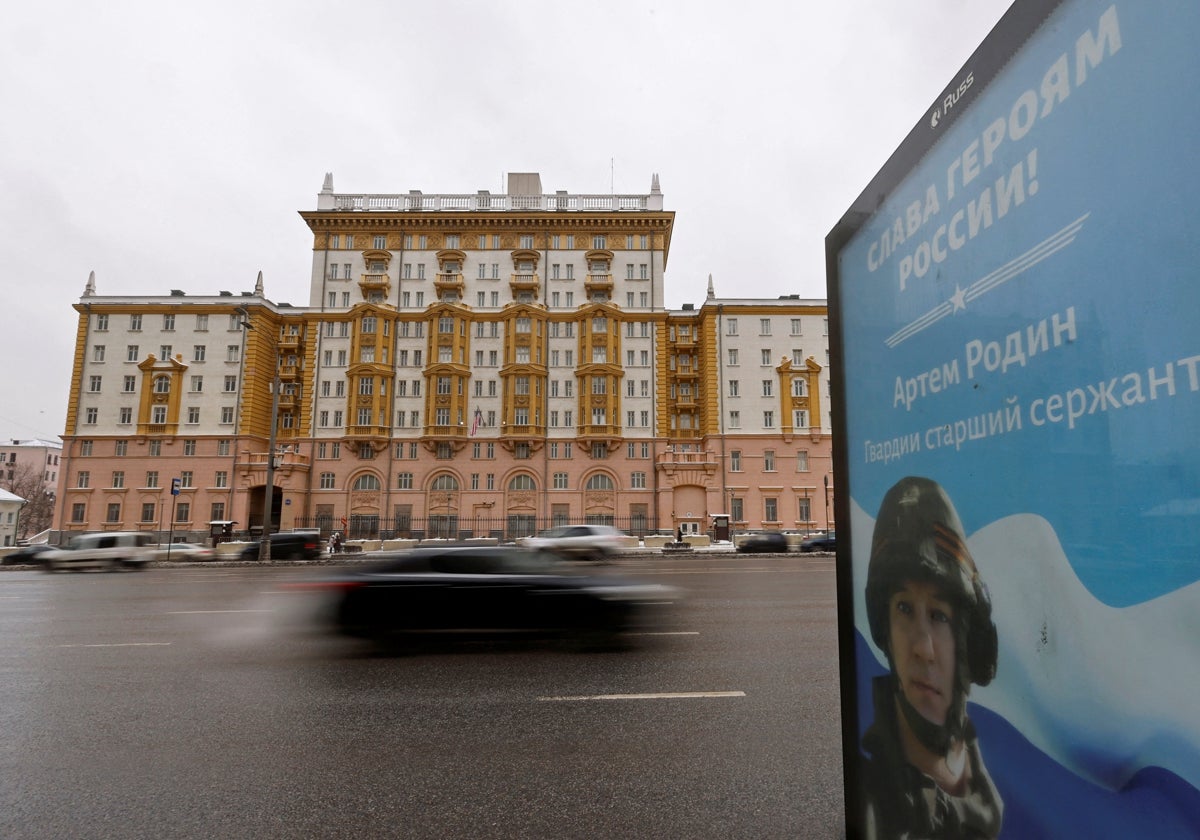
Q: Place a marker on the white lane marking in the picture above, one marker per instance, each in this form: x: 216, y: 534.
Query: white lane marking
x: 676, y: 695
x: 121, y: 644
x: 213, y: 612
x: 665, y: 633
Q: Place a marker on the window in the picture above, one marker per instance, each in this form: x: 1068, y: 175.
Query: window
x: 164, y: 351
x: 766, y: 357
x: 85, y: 448
x: 185, y: 478
x: 120, y: 448
x: 217, y: 512
x: 796, y: 326
x: 221, y: 479
x: 522, y: 482
x: 802, y: 461
x: 82, y: 478
x: 135, y: 322
x: 131, y: 353
x: 327, y: 481
x: 768, y: 419
x: 599, y: 481
x: 114, y: 512
x: 404, y: 481
x: 799, y: 388
x: 169, y: 322
x: 799, y: 419
x: 230, y: 384
x: 155, y: 449
x: 766, y: 387
x: 183, y: 512
x: 227, y: 415
x: 198, y: 353
x: 637, y: 480
x: 124, y: 416
x: 733, y: 357
x: 129, y: 384
x: 804, y: 509
x: 78, y: 512
x: 101, y: 322
x: 118, y: 479
x: 770, y: 510
x: 560, y: 481
x: 148, y: 511
x: 233, y: 353
x: 98, y: 353
x: 91, y: 415
x: 733, y: 387
x: 223, y: 447
x: 151, y: 478
x: 193, y: 415
x: 201, y: 323
x: 769, y: 460
x: 735, y: 460
x: 731, y: 327
x: 764, y: 326
x: 735, y: 419
x: 197, y: 384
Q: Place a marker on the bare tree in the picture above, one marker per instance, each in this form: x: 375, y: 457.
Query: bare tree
x: 28, y: 483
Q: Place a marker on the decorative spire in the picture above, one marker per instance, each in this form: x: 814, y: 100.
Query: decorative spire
x: 90, y: 289
x: 711, y: 294
x: 327, y: 187
x: 258, y: 287
x: 655, y: 189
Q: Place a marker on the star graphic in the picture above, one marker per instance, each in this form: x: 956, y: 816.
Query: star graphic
x: 958, y: 299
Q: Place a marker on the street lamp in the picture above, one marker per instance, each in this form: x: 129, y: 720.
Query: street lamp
x: 826, y: 479
x: 264, y: 544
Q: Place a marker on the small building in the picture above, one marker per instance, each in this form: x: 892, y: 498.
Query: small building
x: 10, y: 516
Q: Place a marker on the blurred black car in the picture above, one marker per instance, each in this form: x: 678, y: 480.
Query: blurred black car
x: 819, y: 542
x: 284, y: 546
x: 485, y: 590
x: 769, y: 543
x: 30, y: 555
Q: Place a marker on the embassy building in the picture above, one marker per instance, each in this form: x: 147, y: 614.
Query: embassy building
x: 466, y: 366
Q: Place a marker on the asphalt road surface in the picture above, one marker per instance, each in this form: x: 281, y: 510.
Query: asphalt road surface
x: 201, y: 703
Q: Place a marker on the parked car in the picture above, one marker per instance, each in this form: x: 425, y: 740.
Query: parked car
x: 300, y: 545
x: 586, y: 542
x: 819, y: 542
x: 484, y: 590
x: 770, y: 543
x: 183, y: 551
x: 30, y: 555
x: 109, y: 550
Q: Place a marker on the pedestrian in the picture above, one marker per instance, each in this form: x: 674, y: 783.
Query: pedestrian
x: 930, y: 613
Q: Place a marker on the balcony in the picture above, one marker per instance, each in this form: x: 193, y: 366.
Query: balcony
x: 377, y: 284
x: 289, y: 373
x: 289, y: 344
x: 527, y: 283
x: 706, y: 459
x: 448, y: 283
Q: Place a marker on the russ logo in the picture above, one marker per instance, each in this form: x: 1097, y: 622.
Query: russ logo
x: 951, y: 100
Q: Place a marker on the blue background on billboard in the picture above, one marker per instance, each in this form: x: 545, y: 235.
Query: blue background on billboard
x: 1104, y: 238
x: 1120, y: 483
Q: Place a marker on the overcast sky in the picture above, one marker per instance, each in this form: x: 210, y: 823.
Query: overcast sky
x: 170, y: 146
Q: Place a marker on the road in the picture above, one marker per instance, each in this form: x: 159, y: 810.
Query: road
x: 198, y: 702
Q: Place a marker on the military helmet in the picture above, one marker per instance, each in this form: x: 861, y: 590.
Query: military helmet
x: 918, y: 536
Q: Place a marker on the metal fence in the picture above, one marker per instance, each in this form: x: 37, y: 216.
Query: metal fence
x: 503, y: 528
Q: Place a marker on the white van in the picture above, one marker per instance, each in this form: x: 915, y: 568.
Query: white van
x: 112, y: 550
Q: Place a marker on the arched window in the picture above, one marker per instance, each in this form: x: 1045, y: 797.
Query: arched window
x: 522, y: 482
x: 366, y: 482
x: 599, y: 481
x: 162, y: 384
x: 445, y: 482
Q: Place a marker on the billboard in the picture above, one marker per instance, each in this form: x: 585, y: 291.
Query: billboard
x: 1015, y: 330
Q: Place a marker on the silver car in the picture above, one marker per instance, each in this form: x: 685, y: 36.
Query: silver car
x: 108, y: 550
x: 587, y: 542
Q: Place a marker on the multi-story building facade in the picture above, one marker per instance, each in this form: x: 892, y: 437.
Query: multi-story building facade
x: 29, y: 469
x: 466, y: 365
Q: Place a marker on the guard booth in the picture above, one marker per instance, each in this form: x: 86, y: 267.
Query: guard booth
x: 221, y: 530
x: 720, y: 526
